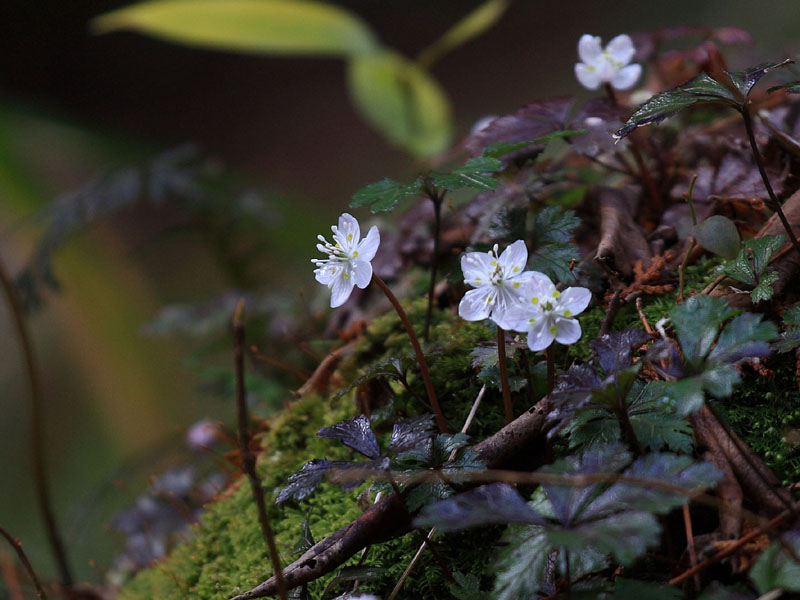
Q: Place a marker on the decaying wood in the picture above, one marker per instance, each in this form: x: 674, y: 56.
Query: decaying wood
x: 318, y: 382
x: 729, y: 493
x: 755, y: 478
x: 621, y: 239
x: 389, y: 518
x: 787, y: 264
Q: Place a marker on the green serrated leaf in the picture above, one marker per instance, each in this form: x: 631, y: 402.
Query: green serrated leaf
x: 554, y: 224
x: 554, y: 260
x: 401, y: 101
x: 719, y: 235
x: 521, y: 567
x: 697, y: 323
x: 791, y: 316
x: 385, y: 194
x: 763, y: 291
x: 472, y: 174
x: 249, y: 26
x: 466, y: 587
x: 661, y: 106
x: 789, y: 340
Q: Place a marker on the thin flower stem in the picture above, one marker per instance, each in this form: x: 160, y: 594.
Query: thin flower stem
x: 551, y: 368
x: 248, y: 460
x: 436, y: 198
x: 37, y: 446
x: 423, y: 365
x: 774, y: 204
x: 25, y: 562
x: 501, y: 362
x: 692, y: 241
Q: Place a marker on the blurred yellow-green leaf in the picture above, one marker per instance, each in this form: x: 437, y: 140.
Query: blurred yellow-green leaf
x: 471, y: 26
x: 402, y: 101
x: 254, y: 26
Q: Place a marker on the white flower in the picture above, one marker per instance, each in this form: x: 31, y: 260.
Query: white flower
x: 348, y: 261
x: 499, y: 282
x: 606, y: 65
x: 546, y: 314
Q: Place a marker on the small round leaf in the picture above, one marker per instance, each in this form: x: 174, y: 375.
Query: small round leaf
x: 719, y: 235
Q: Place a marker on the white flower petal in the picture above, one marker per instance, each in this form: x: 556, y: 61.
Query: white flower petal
x: 539, y: 335
x: 626, y: 77
x: 575, y: 300
x: 342, y: 287
x: 568, y: 331
x: 476, y: 266
x: 514, y: 258
x: 369, y: 245
x: 621, y: 48
x: 589, y: 48
x: 362, y: 273
x: 349, y: 232
x: 327, y: 273
x: 538, y: 288
x: 517, y: 317
x: 474, y: 305
x: 587, y: 77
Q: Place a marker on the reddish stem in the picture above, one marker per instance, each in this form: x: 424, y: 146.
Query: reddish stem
x: 501, y: 361
x: 25, y: 562
x: 423, y: 366
x: 248, y: 460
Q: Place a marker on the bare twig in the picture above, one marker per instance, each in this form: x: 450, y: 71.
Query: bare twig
x: 423, y: 365
x: 248, y: 460
x: 687, y: 523
x: 25, y: 562
x: 37, y: 446
x: 729, y: 550
x: 774, y: 204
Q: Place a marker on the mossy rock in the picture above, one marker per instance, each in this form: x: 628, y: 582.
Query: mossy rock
x: 225, y: 554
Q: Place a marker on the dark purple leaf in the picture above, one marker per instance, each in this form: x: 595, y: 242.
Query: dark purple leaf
x: 355, y: 433
x: 412, y: 434
x: 573, y: 390
x: 601, y: 118
x: 528, y: 123
x: 569, y: 501
x: 486, y: 505
x: 306, y: 480
x: 614, y: 350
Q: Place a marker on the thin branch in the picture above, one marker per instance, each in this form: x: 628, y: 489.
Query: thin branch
x: 423, y: 365
x: 774, y: 204
x: 37, y: 446
x: 730, y: 549
x: 248, y: 460
x: 25, y: 562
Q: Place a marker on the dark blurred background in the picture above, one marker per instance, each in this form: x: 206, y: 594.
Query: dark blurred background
x: 74, y: 105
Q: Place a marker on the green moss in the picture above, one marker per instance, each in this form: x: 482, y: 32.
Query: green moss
x: 226, y: 554
x: 765, y: 412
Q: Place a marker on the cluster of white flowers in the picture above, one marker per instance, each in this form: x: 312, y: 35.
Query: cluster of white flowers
x: 518, y: 300
x: 607, y: 65
x: 515, y: 299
